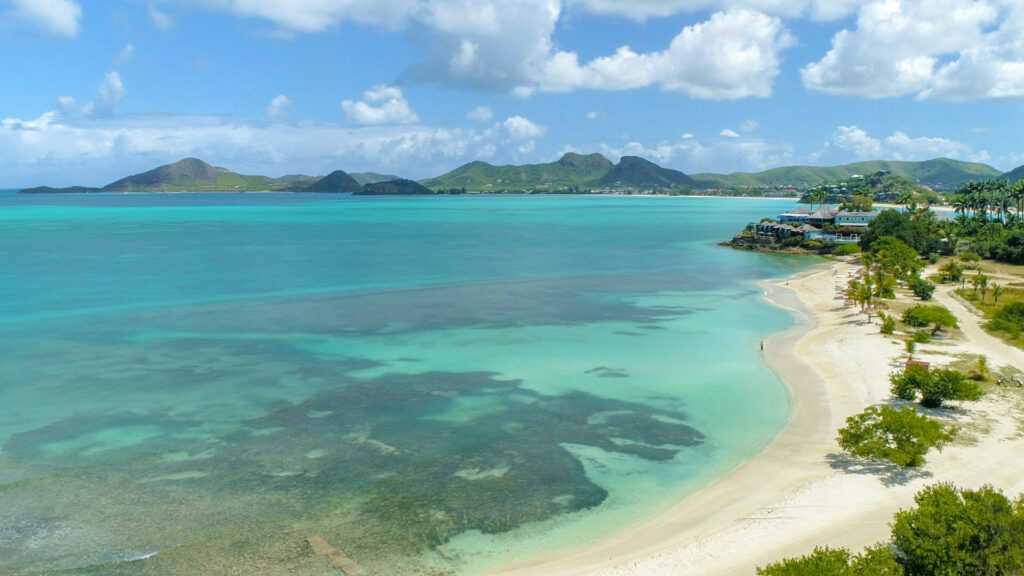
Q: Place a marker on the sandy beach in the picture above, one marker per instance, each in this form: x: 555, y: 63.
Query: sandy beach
x: 801, y: 491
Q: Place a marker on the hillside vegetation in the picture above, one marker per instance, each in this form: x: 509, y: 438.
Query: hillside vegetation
x: 193, y: 175
x: 941, y: 174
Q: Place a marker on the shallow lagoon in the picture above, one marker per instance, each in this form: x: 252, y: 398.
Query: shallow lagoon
x: 196, y: 384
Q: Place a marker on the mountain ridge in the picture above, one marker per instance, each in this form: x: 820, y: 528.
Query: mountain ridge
x: 572, y: 172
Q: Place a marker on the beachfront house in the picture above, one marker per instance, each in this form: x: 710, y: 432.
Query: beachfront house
x: 821, y: 216
x: 775, y: 230
x: 848, y: 219
x: 800, y: 214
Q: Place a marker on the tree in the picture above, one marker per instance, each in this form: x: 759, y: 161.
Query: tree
x: 895, y: 257
x: 901, y: 436
x: 875, y: 561
x: 857, y: 203
x: 954, y: 531
x: 997, y: 291
x: 936, y: 316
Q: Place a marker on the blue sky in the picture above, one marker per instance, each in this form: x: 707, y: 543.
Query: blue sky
x: 93, y: 91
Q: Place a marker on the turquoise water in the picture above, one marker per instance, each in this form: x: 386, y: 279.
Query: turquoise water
x: 196, y: 384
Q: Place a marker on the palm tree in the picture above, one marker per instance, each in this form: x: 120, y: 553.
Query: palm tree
x: 908, y: 199
x: 996, y: 291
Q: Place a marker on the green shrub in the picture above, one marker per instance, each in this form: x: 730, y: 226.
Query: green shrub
x: 1009, y: 318
x: 847, y: 249
x: 935, y: 387
x: 901, y: 436
x: 936, y: 316
x: 954, y: 531
x: 923, y: 289
x: 951, y: 272
x: 876, y: 561
x: 933, y: 257
x: 943, y: 385
x: 904, y: 385
x: 922, y: 337
x: 812, y: 244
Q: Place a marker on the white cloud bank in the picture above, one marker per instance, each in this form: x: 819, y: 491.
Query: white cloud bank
x: 851, y: 143
x: 508, y: 45
x: 950, y: 49
x: 56, y: 17
x: 60, y: 148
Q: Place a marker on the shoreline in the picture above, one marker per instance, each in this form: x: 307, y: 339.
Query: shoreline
x: 801, y: 491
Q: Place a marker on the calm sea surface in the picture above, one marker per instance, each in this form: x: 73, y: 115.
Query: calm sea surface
x: 198, y: 384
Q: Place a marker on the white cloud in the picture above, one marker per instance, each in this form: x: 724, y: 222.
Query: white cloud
x: 110, y: 94
x: 749, y: 125
x: 279, y: 108
x: 520, y: 128
x: 124, y: 56
x: 380, y: 105
x: 729, y: 133
x: 480, y: 114
x: 852, y: 143
x: 56, y: 17
x: 735, y: 54
x: 594, y: 115
x: 857, y: 141
x: 509, y: 46
x: 952, y: 49
x: 160, y: 19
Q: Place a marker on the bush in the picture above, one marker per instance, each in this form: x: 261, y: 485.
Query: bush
x: 876, y: 561
x: 936, y: 316
x: 933, y: 257
x: 946, y: 385
x: 955, y: 531
x: 901, y: 436
x: 923, y: 289
x: 904, y: 385
x: 848, y: 249
x: 935, y: 387
x: 951, y: 272
x: 1009, y: 318
x: 922, y: 337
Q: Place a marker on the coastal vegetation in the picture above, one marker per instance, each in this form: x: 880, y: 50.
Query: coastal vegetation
x: 933, y: 386
x: 951, y: 531
x: 901, y: 436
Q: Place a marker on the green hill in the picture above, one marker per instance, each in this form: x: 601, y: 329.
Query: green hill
x: 70, y: 190
x: 1014, y: 175
x: 400, y: 187
x: 337, y: 182
x: 635, y: 172
x: 193, y: 175
x: 940, y: 174
x: 572, y: 170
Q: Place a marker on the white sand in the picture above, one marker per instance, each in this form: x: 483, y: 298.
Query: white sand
x: 801, y: 491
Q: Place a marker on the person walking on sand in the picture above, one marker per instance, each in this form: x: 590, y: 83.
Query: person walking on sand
x: 762, y: 345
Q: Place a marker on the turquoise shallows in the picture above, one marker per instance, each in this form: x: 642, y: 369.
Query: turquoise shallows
x: 194, y: 384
